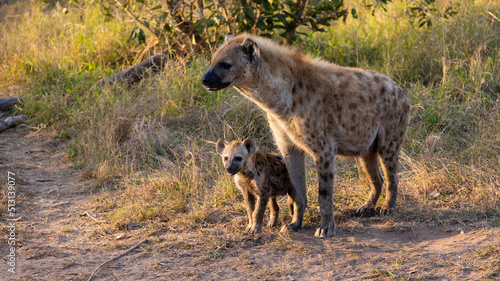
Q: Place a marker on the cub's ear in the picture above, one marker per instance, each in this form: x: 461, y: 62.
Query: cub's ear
x: 228, y: 37
x: 220, y: 146
x: 249, y: 145
x: 251, y: 49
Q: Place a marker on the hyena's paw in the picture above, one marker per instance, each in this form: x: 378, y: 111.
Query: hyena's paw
x: 273, y: 222
x: 325, y: 230
x: 295, y: 227
x: 254, y: 229
x: 249, y: 226
x: 366, y: 211
x: 387, y: 210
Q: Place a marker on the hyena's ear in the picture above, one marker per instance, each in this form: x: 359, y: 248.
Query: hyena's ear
x: 221, y: 145
x: 228, y: 37
x: 251, y: 49
x: 249, y: 145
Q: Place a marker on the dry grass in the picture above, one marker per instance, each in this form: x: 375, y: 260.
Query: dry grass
x: 150, y: 147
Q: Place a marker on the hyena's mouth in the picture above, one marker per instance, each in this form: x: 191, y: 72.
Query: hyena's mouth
x: 233, y: 172
x: 217, y: 87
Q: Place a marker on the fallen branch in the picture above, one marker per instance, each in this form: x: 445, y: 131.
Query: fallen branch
x: 7, y: 103
x: 117, y: 257
x: 139, y: 71
x: 11, y: 122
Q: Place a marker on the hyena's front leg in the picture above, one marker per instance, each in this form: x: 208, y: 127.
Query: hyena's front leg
x: 250, y: 206
x: 295, y: 164
x: 258, y: 214
x: 274, y: 211
x: 325, y: 165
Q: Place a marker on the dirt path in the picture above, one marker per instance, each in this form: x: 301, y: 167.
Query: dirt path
x: 55, y: 242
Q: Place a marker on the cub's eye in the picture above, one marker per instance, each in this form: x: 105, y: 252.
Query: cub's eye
x: 238, y: 158
x: 225, y: 65
x: 225, y: 158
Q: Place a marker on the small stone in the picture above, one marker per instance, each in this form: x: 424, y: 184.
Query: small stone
x: 120, y: 236
x: 434, y: 195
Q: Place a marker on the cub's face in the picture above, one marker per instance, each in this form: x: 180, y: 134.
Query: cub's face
x: 235, y: 154
x: 230, y: 63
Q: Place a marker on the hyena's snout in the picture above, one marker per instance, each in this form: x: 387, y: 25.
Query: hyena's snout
x: 212, y: 81
x: 233, y: 168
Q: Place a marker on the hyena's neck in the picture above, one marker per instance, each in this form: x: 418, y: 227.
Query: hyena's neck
x: 271, y: 89
x: 248, y: 170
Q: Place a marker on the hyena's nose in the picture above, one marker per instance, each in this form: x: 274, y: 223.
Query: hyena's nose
x: 205, y: 79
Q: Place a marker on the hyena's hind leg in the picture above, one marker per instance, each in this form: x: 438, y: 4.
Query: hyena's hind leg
x: 389, y: 163
x: 388, y: 151
x: 369, y: 164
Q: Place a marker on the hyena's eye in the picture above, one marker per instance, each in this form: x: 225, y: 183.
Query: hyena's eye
x: 238, y: 158
x: 225, y: 65
x: 225, y: 158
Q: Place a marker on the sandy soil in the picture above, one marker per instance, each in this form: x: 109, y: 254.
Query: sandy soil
x: 61, y: 236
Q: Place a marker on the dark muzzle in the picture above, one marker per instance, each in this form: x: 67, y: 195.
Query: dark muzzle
x: 212, y: 82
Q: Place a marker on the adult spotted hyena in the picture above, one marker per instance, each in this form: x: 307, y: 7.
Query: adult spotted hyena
x: 260, y: 176
x: 321, y: 109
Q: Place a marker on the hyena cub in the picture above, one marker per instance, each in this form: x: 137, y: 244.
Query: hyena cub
x: 260, y: 176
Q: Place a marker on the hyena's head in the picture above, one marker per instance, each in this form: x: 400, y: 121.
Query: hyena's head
x: 235, y: 154
x: 231, y: 63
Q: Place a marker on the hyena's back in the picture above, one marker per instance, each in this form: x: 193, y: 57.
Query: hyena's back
x: 353, y: 106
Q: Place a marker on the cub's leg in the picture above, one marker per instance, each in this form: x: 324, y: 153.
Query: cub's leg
x: 274, y: 211
x: 290, y: 205
x: 258, y: 213
x: 250, y: 205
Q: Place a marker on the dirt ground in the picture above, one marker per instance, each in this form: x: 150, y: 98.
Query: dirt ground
x: 61, y: 236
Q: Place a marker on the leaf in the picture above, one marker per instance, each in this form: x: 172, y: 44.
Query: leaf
x: 133, y: 34
x: 168, y: 28
x: 267, y: 6
x: 313, y: 24
x: 249, y: 14
x: 354, y: 13
x: 236, y: 11
x: 141, y: 36
x: 261, y: 24
x: 281, y: 18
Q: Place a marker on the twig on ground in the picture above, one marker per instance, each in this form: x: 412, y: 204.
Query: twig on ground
x: 117, y: 257
x: 86, y: 214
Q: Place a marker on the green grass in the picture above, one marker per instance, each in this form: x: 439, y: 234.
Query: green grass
x: 150, y: 148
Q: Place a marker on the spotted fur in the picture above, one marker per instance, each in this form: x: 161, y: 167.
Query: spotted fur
x: 259, y: 176
x: 321, y: 109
